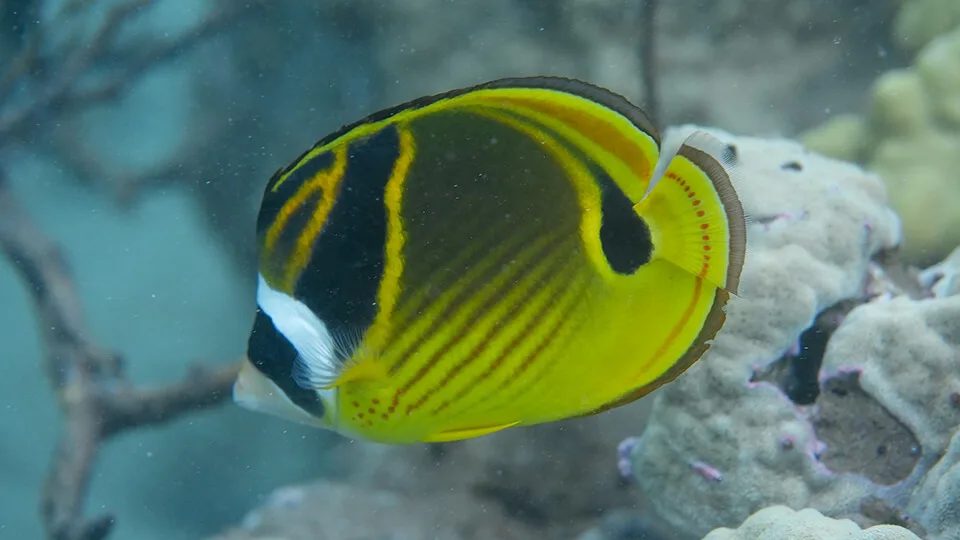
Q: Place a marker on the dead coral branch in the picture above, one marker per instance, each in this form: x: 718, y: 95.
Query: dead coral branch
x: 96, y: 398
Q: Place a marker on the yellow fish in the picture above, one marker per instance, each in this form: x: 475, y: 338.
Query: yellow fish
x: 502, y: 255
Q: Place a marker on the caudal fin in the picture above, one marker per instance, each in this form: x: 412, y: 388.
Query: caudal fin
x: 695, y: 216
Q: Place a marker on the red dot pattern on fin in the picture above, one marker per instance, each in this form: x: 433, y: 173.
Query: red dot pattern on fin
x: 366, y: 414
x: 696, y: 218
x: 705, y: 227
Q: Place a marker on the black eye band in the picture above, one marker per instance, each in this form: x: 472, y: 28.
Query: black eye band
x: 271, y: 353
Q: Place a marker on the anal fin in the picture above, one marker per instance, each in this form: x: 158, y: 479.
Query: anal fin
x: 466, y: 433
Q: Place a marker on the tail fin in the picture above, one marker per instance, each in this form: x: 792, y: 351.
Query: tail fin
x: 695, y: 217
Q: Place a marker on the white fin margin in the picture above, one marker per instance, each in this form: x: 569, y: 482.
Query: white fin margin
x: 317, y: 364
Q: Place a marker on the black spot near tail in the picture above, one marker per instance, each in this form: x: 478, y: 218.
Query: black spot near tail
x: 624, y: 235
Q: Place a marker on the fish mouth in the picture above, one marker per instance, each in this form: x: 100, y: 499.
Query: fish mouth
x: 254, y: 391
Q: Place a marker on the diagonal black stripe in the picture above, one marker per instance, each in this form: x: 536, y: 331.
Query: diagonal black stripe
x: 575, y: 294
x: 516, y: 245
x: 517, y: 275
x: 557, y: 274
x: 439, y: 277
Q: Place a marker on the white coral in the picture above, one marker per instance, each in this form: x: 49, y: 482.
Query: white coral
x: 782, y: 523
x: 907, y: 354
x: 817, y: 222
x: 943, y: 279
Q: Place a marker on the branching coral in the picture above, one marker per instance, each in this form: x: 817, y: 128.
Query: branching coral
x: 62, y: 70
x: 97, y: 400
x: 80, y: 55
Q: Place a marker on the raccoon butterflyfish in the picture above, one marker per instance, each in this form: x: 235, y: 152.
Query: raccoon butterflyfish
x: 502, y: 255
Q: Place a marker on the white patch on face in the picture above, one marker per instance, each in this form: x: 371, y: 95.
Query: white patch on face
x: 317, y: 364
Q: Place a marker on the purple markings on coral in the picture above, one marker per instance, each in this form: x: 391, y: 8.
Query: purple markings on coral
x: 783, y: 218
x: 826, y: 375
x: 707, y: 472
x: 788, y: 442
x: 624, y: 449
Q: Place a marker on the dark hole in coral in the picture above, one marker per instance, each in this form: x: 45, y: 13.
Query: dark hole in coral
x: 898, y: 274
x: 800, y: 380
x: 861, y: 436
x: 792, y: 166
x: 797, y: 372
x: 732, y: 150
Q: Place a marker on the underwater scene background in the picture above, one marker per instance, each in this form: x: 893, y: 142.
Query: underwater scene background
x: 136, y: 138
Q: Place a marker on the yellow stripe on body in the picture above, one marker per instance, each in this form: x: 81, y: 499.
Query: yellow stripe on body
x: 418, y: 342
x: 451, y: 335
x: 495, y: 316
x: 551, y: 324
x: 588, y: 193
x: 328, y: 181
x: 613, y: 142
x: 645, y: 361
x: 377, y: 335
x: 420, y: 328
x: 534, y: 99
x: 469, y: 256
x: 537, y: 349
x: 531, y: 330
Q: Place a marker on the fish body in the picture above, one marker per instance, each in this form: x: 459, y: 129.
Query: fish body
x: 503, y: 255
